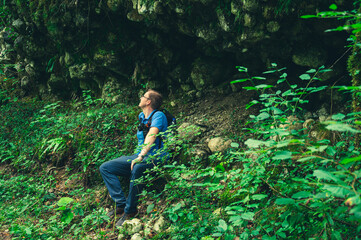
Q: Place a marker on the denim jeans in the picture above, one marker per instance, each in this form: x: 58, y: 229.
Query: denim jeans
x: 121, y: 167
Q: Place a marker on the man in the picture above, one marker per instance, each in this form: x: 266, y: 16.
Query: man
x: 149, y: 154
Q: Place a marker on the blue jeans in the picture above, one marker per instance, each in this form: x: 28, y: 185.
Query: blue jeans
x: 121, y: 167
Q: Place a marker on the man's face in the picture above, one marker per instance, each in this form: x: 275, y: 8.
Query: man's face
x: 144, y: 100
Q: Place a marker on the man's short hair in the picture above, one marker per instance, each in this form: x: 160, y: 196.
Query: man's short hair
x: 155, y: 98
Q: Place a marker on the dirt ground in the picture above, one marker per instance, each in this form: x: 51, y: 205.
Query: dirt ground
x: 222, y: 115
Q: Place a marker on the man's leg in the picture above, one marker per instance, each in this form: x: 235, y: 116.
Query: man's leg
x: 110, y: 170
x: 136, y: 189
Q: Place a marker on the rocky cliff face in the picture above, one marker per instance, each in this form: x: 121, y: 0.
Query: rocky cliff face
x: 58, y: 48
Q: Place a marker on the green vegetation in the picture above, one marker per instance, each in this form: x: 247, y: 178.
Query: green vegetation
x: 278, y: 182
x: 284, y: 183
x: 284, y: 177
x: 41, y: 143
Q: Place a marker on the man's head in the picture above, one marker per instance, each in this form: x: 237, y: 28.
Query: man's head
x: 151, y: 98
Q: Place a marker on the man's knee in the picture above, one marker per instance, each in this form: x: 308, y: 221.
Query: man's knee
x: 103, y: 167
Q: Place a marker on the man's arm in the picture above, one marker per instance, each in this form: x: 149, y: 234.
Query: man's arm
x: 148, y: 142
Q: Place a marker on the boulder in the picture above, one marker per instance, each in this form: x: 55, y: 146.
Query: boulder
x: 56, y: 83
x: 293, y: 123
x: 207, y: 33
x: 320, y: 133
x: 236, y: 7
x: 250, y: 5
x: 135, y: 16
x: 114, y: 5
x: 249, y: 20
x: 78, y: 71
x: 273, y: 26
x: 111, y: 91
x: 25, y: 81
x: 121, y: 236
x: 159, y: 224
x: 68, y: 59
x: 30, y: 69
x: 223, y: 21
x: 219, y: 144
x: 132, y: 226
x: 322, y: 114
x: 308, y: 124
x: 19, y: 25
x: 206, y: 73
x: 137, y: 236
x: 82, y: 72
x: 200, y: 152
x: 310, y: 57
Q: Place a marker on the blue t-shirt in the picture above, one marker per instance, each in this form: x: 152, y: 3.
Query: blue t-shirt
x: 159, y: 120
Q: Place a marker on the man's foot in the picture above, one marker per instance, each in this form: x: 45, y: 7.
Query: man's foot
x: 126, y: 216
x: 118, y: 210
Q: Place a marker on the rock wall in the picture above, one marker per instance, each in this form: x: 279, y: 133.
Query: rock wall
x: 58, y: 48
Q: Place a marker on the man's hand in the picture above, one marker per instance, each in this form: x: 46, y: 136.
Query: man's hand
x: 135, y: 161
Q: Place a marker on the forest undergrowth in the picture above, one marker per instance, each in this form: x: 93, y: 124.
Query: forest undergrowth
x: 284, y: 177
x: 276, y: 182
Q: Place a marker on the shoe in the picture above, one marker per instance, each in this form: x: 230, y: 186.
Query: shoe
x: 118, y: 210
x: 126, y: 216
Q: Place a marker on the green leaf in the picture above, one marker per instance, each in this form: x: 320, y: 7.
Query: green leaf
x: 357, y: 173
x: 271, y: 71
x: 64, y: 201
x: 281, y: 81
x: 305, y: 77
x: 240, y: 80
x: 150, y: 208
x: 234, y: 145
x: 222, y: 225
x: 236, y: 218
x: 337, y: 191
x: 259, y: 196
x: 284, y: 75
x: 247, y: 216
x: 336, y: 235
x: 325, y: 70
x: 284, y: 201
x: 338, y: 116
x: 317, y: 148
x: 341, y: 127
x: 67, y: 216
x: 217, y: 234
x: 173, y: 217
x: 250, y: 88
x: 331, y: 151
x: 333, y: 6
x: 306, y: 159
x: 320, y: 174
x: 220, y: 168
x: 252, y: 143
x: 282, y: 155
x: 28, y: 231
x: 281, y: 234
x: 289, y: 92
x: 350, y: 160
x: 302, y: 194
x: 259, y: 78
x: 311, y: 71
x: 263, y: 86
x: 262, y: 116
x: 242, y: 69
x: 308, y: 16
